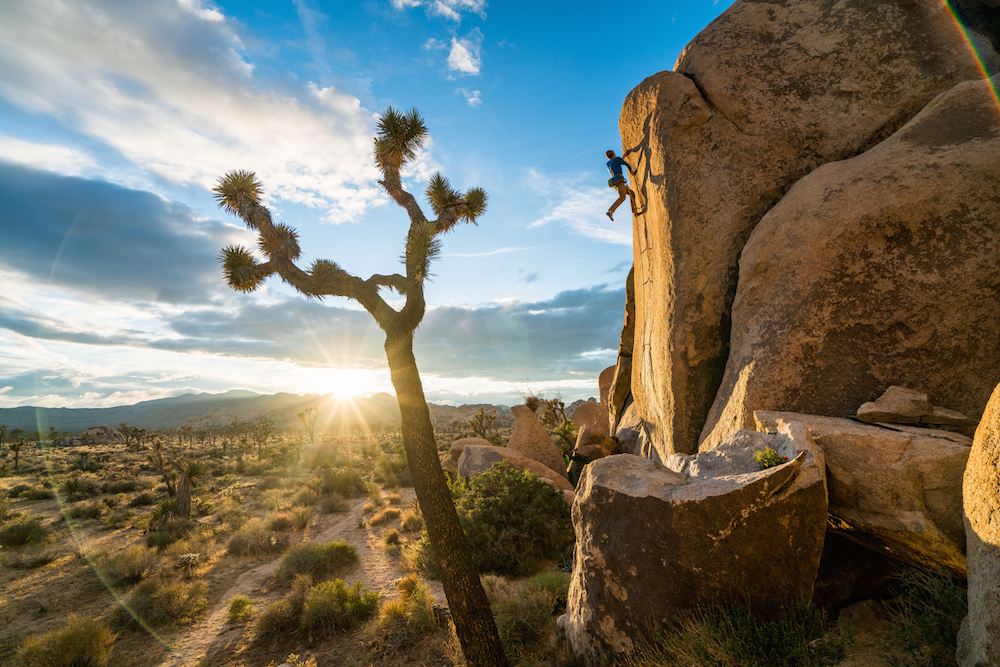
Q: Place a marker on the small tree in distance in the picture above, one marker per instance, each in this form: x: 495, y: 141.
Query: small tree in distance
x: 400, y: 136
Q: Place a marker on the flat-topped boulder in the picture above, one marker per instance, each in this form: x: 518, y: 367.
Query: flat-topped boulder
x: 655, y: 542
x: 455, y: 451
x: 897, y: 490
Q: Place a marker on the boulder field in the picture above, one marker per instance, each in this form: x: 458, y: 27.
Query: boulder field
x: 816, y: 270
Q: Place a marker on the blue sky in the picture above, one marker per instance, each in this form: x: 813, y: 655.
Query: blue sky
x: 117, y: 117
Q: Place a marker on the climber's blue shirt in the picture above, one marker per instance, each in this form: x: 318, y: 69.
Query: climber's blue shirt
x: 615, y: 167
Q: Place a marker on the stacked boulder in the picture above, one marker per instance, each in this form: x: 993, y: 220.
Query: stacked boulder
x: 95, y: 435
x: 530, y: 448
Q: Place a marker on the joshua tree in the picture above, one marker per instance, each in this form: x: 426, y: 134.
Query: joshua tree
x: 3, y: 433
x: 189, y: 471
x: 156, y: 460
x: 400, y: 136
x: 16, y: 448
x: 263, y: 429
x: 308, y: 418
x: 482, y: 424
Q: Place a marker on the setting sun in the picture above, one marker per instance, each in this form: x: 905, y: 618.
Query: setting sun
x: 344, y: 383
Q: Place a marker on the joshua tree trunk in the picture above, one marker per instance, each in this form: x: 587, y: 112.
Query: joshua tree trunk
x: 477, y: 634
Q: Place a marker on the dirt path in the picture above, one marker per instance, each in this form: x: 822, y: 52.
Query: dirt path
x: 374, y: 568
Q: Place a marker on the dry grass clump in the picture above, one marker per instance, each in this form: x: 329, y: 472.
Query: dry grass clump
x: 413, y: 521
x: 394, y: 499
x: 128, y: 567
x: 301, y: 518
x: 30, y: 558
x: 333, y: 503
x: 404, y: 621
x: 144, y: 499
x: 345, y: 482
x: 157, y: 602
x: 92, y: 509
x: 254, y: 539
x: 385, y: 516
x: 81, y: 642
x: 391, y: 544
x: 279, y: 523
x: 318, y: 561
x: 26, y: 531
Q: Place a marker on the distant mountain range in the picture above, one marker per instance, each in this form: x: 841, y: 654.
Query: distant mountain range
x: 208, y: 410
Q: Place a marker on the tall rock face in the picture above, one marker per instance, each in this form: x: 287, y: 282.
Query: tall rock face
x: 763, y: 96
x: 878, y: 270
x: 979, y: 638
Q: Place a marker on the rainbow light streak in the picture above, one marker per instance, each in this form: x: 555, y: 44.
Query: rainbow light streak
x: 975, y: 54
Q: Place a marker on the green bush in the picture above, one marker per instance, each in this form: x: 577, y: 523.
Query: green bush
x: 17, y: 490
x: 144, y: 499
x: 315, y: 560
x: 283, y: 617
x: 23, y: 532
x: 420, y: 556
x: 81, y: 642
x: 34, y: 493
x: 514, y: 521
x: 254, y: 539
x: 523, y: 616
x: 344, y: 482
x: 928, y: 614
x: 240, y: 609
x: 157, y: 602
x: 332, y: 607
x: 735, y: 636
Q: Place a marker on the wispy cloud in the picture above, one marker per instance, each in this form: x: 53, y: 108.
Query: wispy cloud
x: 581, y: 207
x: 471, y: 96
x: 167, y: 87
x: 464, y: 56
x: 447, y: 9
x: 498, y: 251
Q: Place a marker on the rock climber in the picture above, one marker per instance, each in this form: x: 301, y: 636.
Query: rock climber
x: 617, y: 181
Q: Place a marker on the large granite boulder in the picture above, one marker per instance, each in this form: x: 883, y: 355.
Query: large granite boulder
x: 457, y: 447
x: 656, y: 542
x: 979, y: 638
x: 591, y: 414
x: 763, y: 96
x: 879, y: 270
x: 480, y: 458
x: 896, y: 489
x: 529, y: 438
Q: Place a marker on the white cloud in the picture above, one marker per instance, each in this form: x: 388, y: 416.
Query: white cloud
x: 471, y: 96
x: 165, y: 85
x: 464, y: 56
x: 499, y: 251
x: 582, y: 207
x: 449, y: 9
x: 51, y: 157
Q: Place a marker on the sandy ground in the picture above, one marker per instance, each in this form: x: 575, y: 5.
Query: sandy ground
x: 378, y: 572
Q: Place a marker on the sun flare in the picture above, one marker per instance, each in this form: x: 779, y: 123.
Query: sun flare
x: 345, y: 384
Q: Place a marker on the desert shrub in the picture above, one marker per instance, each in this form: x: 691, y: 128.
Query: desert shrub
x: 31, y: 558
x: 117, y: 519
x: 233, y: 516
x: 144, y: 499
x: 4, y: 509
x: 279, y: 523
x: 188, y: 563
x: 304, y: 498
x: 385, y: 516
x: 420, y: 557
x: 316, y: 560
x: 168, y: 533
x: 17, y: 490
x: 344, y: 482
x: 412, y: 521
x: 268, y: 482
x: 157, y: 602
x: 514, y: 521
x: 928, y: 613
x: 391, y: 544
x: 114, y: 501
x: 522, y: 615
x: 254, y: 539
x: 283, y: 617
x: 300, y: 518
x: 375, y: 493
x: 121, y: 486
x: 735, y: 636
x: 35, y: 493
x: 240, y: 609
x: 394, y: 499
x: 163, y: 511
x: 553, y: 582
x: 28, y: 531
x: 92, y: 509
x: 334, y: 503
x: 76, y: 487
x: 332, y: 607
x: 405, y: 478
x: 81, y: 642
x: 129, y: 567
